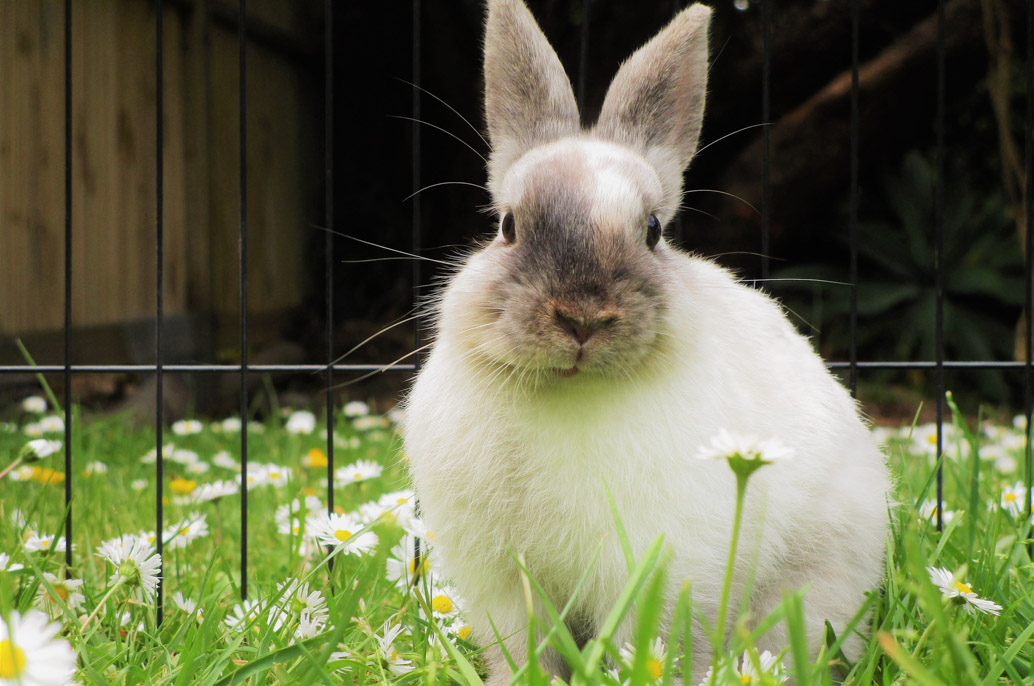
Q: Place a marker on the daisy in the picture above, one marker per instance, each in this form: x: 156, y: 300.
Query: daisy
x: 308, y: 626
x: 356, y: 408
x: 359, y: 471
x: 341, y: 533
x: 187, y: 427
x: 928, y: 512
x: 961, y: 592
x: 95, y: 468
x: 301, y: 422
x: 151, y: 456
x: 185, y: 604
x: 402, y: 564
x: 230, y: 425
x: 33, y: 429
x: 183, y: 457
x: 386, y: 648
x: 39, y: 448
x: 277, y: 475
x: 243, y: 614
x: 445, y: 603
x: 257, y: 475
x: 52, y: 424
x: 136, y: 564
x: 369, y: 422
x: 223, y: 459
x: 399, y: 506
x: 460, y: 630
x: 296, y: 598
x: 198, y: 468
x: 31, y: 652
x: 214, y: 490
x: 726, y: 446
x: 44, y: 543
x: 7, y: 566
x: 179, y: 535
x: 748, y: 674
x: 395, y: 415
x: 138, y: 484
x: 1014, y: 498
x: 62, y: 593
x: 34, y: 405
x: 256, y: 427
x: 657, y: 651
x: 23, y: 473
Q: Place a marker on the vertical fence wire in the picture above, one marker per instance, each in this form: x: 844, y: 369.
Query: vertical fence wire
x: 1028, y: 376
x: 328, y: 144
x: 242, y: 35
x: 415, y: 129
x: 766, y: 139
x: 583, y: 58
x: 159, y: 240
x: 939, y: 259
x: 853, y: 202
x: 68, y: 284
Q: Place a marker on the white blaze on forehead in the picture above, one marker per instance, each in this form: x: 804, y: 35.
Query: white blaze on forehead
x: 619, y: 186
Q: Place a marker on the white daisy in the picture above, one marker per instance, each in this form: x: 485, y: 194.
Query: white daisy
x: 185, y: 604
x: 34, y: 404
x: 1014, y: 498
x: 151, y: 456
x: 198, y: 468
x: 187, y: 427
x: 386, y: 648
x: 395, y: 415
x: 256, y: 427
x: 301, y: 422
x: 370, y: 422
x: 657, y: 652
x: 928, y: 512
x: 402, y: 563
x: 180, y: 534
x: 39, y: 448
x: 44, y: 543
x: 231, y: 425
x: 356, y: 408
x: 214, y: 490
x: 1006, y: 464
x: 726, y: 445
x: 359, y: 471
x: 294, y: 598
x: 31, y: 653
x: 277, y: 475
x: 243, y: 614
x: 445, y: 602
x: 33, y: 429
x: 747, y: 674
x: 7, y: 566
x: 138, y: 484
x: 1019, y: 422
x: 52, y: 424
x: 308, y: 626
x: 399, y: 506
x: 22, y: 473
x: 961, y: 592
x: 136, y: 564
x: 95, y: 467
x: 65, y: 593
x: 341, y: 532
x: 183, y: 457
x: 223, y: 459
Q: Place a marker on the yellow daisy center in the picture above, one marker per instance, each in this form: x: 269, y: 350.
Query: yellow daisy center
x: 746, y: 679
x: 342, y: 534
x: 182, y: 486
x: 274, y: 475
x: 44, y: 543
x: 423, y: 566
x: 442, y: 604
x: 317, y: 458
x: 12, y: 660
x: 357, y: 476
x: 61, y: 592
x: 932, y: 440
x: 653, y: 667
x: 1009, y: 497
x: 962, y: 588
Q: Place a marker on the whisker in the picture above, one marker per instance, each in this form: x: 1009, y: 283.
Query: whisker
x: 384, y: 247
x: 731, y: 195
x: 747, y: 252
x: 835, y: 283
x: 451, y: 108
x: 446, y: 132
x: 384, y: 368
x: 373, y: 336
x: 444, y: 183
x: 718, y: 140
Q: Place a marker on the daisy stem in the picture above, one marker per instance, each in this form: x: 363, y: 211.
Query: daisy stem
x: 922, y: 638
x: 18, y: 460
x: 741, y: 489
x: 102, y: 602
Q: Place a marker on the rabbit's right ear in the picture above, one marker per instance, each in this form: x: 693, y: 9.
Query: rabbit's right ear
x: 528, y: 97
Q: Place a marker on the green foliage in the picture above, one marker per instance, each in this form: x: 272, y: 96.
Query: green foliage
x: 897, y: 296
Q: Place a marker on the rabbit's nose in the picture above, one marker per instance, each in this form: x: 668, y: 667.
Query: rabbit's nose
x: 582, y: 327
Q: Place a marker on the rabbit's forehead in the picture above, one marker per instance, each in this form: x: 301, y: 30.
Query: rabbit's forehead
x: 606, y: 184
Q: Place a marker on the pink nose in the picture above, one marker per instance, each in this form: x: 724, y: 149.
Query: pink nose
x: 580, y: 327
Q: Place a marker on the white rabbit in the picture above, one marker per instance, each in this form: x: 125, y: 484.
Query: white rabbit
x: 578, y: 346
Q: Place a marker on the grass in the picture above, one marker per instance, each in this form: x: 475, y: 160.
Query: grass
x: 379, y: 629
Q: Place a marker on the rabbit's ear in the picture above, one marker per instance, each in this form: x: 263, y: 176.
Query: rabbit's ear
x: 655, y: 103
x: 528, y: 97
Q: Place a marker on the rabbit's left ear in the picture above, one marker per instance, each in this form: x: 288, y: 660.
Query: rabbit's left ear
x: 655, y: 103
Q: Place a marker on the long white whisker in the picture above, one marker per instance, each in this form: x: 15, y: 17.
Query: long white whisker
x: 717, y: 140
x: 444, y: 183
x: 731, y: 195
x: 446, y: 132
x: 465, y: 120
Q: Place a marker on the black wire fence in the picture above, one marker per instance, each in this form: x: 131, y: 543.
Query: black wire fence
x: 332, y: 371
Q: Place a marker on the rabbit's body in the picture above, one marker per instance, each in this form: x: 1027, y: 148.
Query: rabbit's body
x: 579, y: 349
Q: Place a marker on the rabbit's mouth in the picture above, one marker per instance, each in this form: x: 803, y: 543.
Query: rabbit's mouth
x: 565, y: 373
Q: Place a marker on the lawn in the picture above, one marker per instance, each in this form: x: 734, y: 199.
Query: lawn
x: 332, y: 596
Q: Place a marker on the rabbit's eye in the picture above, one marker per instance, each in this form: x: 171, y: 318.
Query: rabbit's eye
x: 508, y: 228
x: 653, y: 231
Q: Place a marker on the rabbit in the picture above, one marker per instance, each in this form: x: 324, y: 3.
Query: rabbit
x: 576, y: 351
